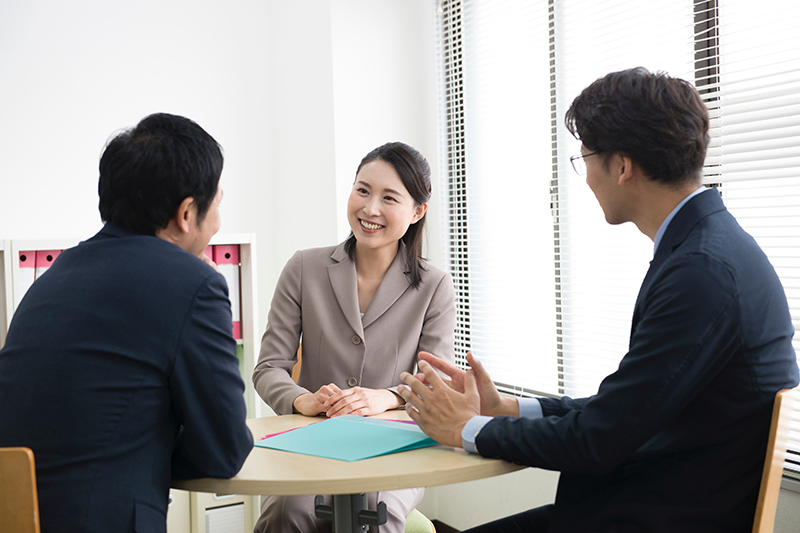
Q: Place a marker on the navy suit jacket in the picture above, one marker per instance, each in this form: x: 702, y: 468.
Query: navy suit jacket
x: 119, y: 372
x: 675, y: 439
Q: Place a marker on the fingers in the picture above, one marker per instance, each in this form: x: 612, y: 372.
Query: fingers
x: 412, y: 391
x: 344, y: 407
x: 431, y: 377
x: 337, y: 394
x: 416, y: 392
x: 473, y: 361
x: 413, y: 414
x: 344, y: 402
x: 470, y: 385
x: 330, y: 388
x: 439, y: 364
x: 477, y: 366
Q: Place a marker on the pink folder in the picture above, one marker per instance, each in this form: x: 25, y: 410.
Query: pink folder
x: 25, y: 274
x: 226, y: 256
x: 45, y: 258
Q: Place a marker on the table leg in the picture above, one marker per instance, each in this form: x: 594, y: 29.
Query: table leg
x: 345, y: 512
x: 349, y: 513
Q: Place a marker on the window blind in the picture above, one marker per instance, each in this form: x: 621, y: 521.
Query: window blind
x: 755, y: 149
x: 505, y: 200
x: 602, y: 266
x: 450, y: 75
x: 545, y: 287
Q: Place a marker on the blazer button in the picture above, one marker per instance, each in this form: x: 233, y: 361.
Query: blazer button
x: 352, y: 382
x: 356, y: 340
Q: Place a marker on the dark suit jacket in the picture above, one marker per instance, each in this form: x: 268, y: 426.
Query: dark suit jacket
x: 675, y: 439
x: 119, y: 371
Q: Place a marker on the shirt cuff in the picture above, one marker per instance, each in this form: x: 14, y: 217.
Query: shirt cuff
x: 529, y: 408
x: 470, y: 432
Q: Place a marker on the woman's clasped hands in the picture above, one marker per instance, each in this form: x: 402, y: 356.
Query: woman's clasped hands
x: 332, y: 401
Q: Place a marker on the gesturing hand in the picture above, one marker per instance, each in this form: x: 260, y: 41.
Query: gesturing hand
x: 492, y: 404
x: 439, y: 409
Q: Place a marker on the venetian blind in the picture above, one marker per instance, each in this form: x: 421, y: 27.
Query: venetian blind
x: 504, y: 250
x: 505, y: 256
x: 602, y: 266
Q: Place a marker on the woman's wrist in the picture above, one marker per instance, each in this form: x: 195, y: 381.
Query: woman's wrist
x: 396, y: 398
x: 297, y: 404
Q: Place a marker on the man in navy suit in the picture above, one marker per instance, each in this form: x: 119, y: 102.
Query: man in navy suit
x: 119, y: 369
x: 675, y: 439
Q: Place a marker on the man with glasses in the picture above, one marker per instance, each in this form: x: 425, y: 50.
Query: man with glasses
x: 675, y: 439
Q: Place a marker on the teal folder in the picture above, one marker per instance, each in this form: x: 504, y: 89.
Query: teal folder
x: 350, y: 438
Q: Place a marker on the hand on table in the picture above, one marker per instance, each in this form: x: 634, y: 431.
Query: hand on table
x: 439, y: 408
x: 313, y: 403
x: 361, y: 401
x: 333, y: 401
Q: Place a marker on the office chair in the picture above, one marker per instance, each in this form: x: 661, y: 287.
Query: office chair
x: 773, y: 465
x: 416, y: 522
x: 19, y: 502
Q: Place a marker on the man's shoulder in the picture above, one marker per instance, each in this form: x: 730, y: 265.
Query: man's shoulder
x: 138, y: 257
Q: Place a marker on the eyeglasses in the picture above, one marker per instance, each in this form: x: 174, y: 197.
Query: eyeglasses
x: 578, y: 163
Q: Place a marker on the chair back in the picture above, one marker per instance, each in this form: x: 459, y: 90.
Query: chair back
x: 773, y: 465
x: 296, y: 367
x: 19, y: 502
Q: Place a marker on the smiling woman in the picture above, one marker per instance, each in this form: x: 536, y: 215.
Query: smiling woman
x: 364, y: 309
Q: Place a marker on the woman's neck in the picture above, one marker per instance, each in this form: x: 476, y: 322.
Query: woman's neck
x: 373, y: 263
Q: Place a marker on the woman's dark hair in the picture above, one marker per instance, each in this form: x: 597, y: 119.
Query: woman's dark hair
x: 659, y: 121
x: 415, y: 173
x: 147, y: 171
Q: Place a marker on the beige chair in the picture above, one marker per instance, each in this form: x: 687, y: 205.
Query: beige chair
x: 19, y: 502
x: 416, y: 522
x: 296, y: 367
x: 773, y: 465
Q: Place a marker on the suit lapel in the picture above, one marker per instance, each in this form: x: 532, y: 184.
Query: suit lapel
x: 342, y: 275
x: 392, y: 287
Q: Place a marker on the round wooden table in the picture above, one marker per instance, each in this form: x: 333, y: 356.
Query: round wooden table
x: 267, y: 471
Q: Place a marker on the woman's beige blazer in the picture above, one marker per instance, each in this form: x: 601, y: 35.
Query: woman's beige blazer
x: 317, y: 298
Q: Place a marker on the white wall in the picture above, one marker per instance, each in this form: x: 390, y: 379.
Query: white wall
x: 75, y: 72
x: 384, y: 90
x: 257, y: 75
x: 296, y: 93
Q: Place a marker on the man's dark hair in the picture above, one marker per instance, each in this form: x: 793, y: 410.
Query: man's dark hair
x: 147, y: 171
x: 659, y: 121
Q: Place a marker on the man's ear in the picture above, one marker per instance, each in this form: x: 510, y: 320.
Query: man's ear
x: 185, y: 214
x: 624, y: 168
